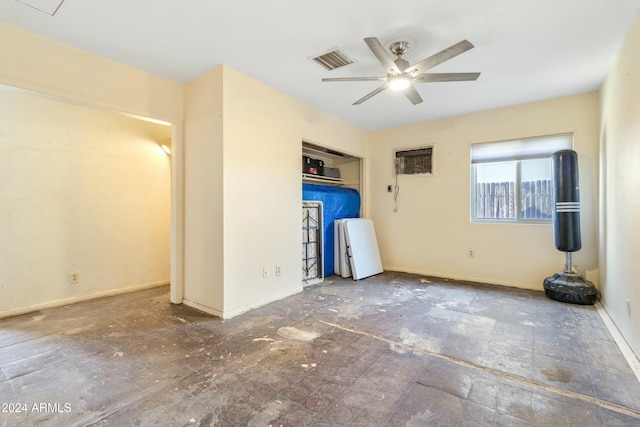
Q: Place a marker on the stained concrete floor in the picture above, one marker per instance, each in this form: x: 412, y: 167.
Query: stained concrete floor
x: 391, y: 350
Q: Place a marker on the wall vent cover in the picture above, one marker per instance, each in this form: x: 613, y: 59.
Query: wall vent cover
x: 332, y: 60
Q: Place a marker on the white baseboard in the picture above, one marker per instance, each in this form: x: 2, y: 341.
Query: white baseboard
x: 202, y: 308
x: 228, y: 314
x: 633, y: 361
x: 243, y: 309
x: 80, y: 298
x: 465, y: 278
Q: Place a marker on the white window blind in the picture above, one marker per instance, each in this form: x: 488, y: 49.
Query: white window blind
x: 520, y: 149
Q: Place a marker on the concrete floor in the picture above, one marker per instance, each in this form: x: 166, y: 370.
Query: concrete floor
x: 391, y: 350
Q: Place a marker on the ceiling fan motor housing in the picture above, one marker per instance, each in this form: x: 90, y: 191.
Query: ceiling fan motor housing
x: 399, y: 48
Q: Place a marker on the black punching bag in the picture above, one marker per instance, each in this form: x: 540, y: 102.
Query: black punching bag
x: 567, y: 286
x: 566, y: 221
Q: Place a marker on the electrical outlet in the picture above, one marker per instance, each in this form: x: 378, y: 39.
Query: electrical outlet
x: 471, y: 253
x: 265, y: 273
x: 74, y: 277
x: 389, y: 189
x: 278, y: 270
x: 628, y: 308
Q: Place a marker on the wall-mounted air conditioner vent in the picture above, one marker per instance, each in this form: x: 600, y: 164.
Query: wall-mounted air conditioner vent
x: 332, y: 60
x: 414, y: 161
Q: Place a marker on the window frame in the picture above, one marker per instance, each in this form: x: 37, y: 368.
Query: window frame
x: 518, y: 159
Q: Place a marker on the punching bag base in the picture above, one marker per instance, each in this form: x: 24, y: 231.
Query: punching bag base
x: 571, y: 288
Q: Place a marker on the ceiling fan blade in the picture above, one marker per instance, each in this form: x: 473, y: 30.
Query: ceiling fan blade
x: 413, y: 95
x: 440, y: 57
x: 381, y: 54
x: 445, y: 77
x: 371, y: 94
x: 354, y: 79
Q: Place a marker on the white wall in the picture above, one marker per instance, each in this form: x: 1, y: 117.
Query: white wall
x: 620, y: 197
x: 262, y: 193
x: 80, y: 190
x: 262, y: 132
x: 204, y: 222
x: 431, y: 232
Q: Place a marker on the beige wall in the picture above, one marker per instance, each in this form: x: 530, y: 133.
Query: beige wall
x: 204, y: 225
x: 44, y: 66
x: 431, y: 232
x: 620, y: 181
x: 80, y: 190
x: 256, y: 140
x: 34, y: 62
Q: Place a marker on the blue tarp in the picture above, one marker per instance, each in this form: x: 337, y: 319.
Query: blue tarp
x: 337, y: 203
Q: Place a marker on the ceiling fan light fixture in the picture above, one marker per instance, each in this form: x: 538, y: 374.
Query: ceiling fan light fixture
x: 399, y: 83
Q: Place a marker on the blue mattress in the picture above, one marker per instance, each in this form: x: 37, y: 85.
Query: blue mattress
x: 337, y: 203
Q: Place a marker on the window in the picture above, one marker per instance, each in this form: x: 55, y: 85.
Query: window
x: 512, y: 180
x: 415, y: 161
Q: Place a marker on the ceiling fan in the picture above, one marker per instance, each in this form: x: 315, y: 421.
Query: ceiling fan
x: 401, y: 76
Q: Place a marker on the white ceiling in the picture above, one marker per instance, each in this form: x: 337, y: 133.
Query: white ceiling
x: 526, y: 50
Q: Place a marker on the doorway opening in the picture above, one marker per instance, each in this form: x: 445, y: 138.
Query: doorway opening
x: 88, y: 201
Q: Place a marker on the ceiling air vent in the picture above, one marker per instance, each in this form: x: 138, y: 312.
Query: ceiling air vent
x: 332, y: 60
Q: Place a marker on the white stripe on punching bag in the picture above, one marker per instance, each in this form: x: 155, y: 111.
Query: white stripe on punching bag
x: 567, y: 206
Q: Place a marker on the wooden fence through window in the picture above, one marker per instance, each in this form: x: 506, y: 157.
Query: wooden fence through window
x: 497, y: 200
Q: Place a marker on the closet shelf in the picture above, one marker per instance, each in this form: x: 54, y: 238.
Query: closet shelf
x: 323, y: 179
